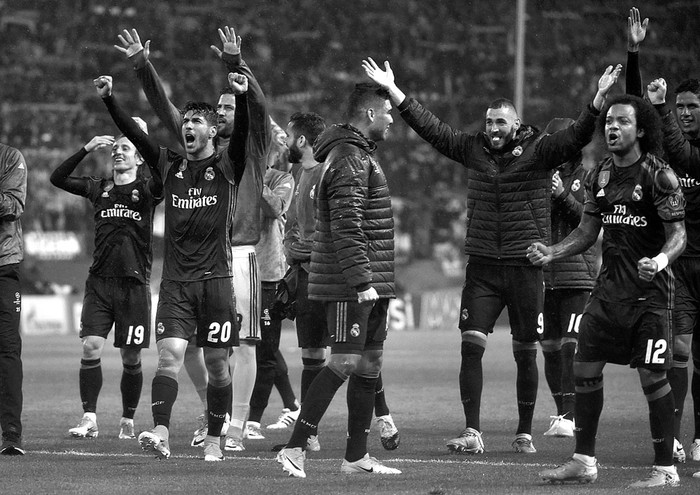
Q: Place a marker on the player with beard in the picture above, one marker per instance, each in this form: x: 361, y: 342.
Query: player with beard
x: 196, y: 294
x: 117, y: 290
x: 352, y: 273
x: 636, y: 199
x: 245, y: 231
x: 509, y: 183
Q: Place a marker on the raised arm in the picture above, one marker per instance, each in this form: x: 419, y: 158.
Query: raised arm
x: 237, y: 147
x: 636, y: 32
x: 149, y: 149
x: 138, y: 54
x: 78, y: 185
x: 258, y: 140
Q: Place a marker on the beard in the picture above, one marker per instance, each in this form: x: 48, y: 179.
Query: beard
x: 295, y: 154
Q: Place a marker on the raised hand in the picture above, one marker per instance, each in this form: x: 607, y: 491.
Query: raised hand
x: 656, y: 90
x: 384, y: 78
x: 636, y: 29
x: 99, y: 142
x: 231, y: 43
x: 103, y: 84
x: 609, y: 78
x: 238, y: 83
x: 131, y: 44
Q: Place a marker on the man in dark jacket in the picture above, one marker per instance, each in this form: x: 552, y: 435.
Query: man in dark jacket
x: 352, y: 273
x: 508, y: 205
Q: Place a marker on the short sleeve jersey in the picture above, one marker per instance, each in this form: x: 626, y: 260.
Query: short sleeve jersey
x: 633, y: 203
x: 123, y: 228
x: 199, y: 201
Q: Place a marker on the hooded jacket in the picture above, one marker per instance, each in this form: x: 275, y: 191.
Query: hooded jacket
x: 354, y: 242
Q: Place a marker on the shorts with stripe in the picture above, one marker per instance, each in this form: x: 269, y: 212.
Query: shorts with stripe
x: 206, y: 308
x: 563, y: 309
x: 687, y: 296
x: 356, y: 327
x: 246, y: 286
x: 120, y: 301
x: 638, y: 335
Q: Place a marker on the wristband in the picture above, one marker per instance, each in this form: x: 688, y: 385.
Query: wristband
x: 661, y: 261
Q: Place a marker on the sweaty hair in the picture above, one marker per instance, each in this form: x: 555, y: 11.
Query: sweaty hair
x: 364, y: 96
x: 692, y: 85
x: 201, y: 108
x: 502, y: 103
x: 647, y: 117
x: 308, y: 124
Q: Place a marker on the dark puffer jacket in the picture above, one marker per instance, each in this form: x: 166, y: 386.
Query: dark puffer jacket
x: 354, y: 241
x: 509, y: 191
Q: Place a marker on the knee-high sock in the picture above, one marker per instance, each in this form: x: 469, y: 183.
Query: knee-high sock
x: 381, y: 408
x: 163, y: 394
x: 282, y: 383
x: 218, y: 399
x: 589, y: 405
x: 360, y: 398
x: 471, y: 383
x: 661, y: 420
x: 553, y: 375
x: 695, y: 392
x: 526, y: 387
x: 312, y: 367
x: 131, y: 386
x: 319, y: 397
x: 264, y: 381
x: 568, y: 388
x: 678, y: 378
x: 90, y: 383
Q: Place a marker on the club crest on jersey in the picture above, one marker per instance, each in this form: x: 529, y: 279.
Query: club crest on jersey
x: 135, y: 196
x: 312, y: 193
x: 465, y: 315
x: 517, y: 151
x: 604, y: 178
x: 160, y: 329
x: 576, y: 185
x: 209, y: 174
x: 108, y: 187
x: 355, y: 330
x: 637, y: 193
x: 181, y: 168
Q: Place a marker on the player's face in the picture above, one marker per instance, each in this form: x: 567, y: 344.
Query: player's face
x: 621, y: 133
x: 688, y: 112
x: 225, y: 110
x: 292, y: 142
x: 196, y: 132
x: 501, y: 126
x: 379, y: 129
x: 124, y: 156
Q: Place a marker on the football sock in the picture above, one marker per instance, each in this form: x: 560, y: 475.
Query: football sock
x: 661, y: 421
x: 678, y: 378
x: 163, y: 394
x: 380, y: 406
x: 264, y: 381
x: 131, y: 386
x: 360, y: 399
x: 90, y: 383
x: 319, y: 397
x: 282, y: 383
x: 695, y: 392
x: 218, y: 399
x: 312, y: 367
x: 589, y: 404
x: 471, y: 382
x: 568, y: 389
x: 553, y: 375
x: 526, y: 387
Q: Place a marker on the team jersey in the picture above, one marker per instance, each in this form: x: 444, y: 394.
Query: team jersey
x: 123, y: 227
x: 691, y: 191
x: 633, y: 203
x: 199, y: 206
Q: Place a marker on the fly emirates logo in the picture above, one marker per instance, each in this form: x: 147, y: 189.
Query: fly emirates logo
x: 620, y: 217
x: 121, y: 211
x: 195, y: 199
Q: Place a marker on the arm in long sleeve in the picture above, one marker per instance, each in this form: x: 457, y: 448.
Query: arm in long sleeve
x: 148, y: 148
x: 682, y: 156
x: 13, y: 185
x: 276, y: 197
x: 237, y: 149
x: 563, y: 145
x: 633, y: 75
x: 61, y: 176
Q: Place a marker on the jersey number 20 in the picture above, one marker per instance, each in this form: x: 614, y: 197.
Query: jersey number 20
x: 219, y: 333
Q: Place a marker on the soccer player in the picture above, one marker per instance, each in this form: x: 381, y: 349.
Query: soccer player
x: 636, y: 199
x: 352, y: 273
x: 509, y: 170
x: 196, y: 293
x: 13, y: 193
x: 245, y: 229
x: 568, y: 284
x: 117, y: 290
